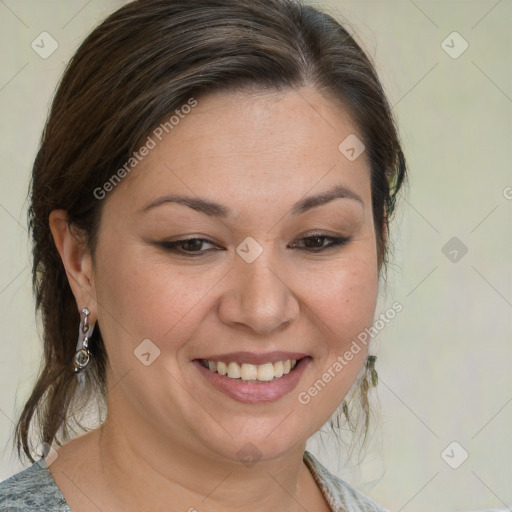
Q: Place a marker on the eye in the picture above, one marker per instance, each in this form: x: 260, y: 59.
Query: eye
x: 194, y: 247
x: 316, y: 242
x: 189, y: 247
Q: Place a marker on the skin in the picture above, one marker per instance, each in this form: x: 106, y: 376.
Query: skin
x: 170, y: 437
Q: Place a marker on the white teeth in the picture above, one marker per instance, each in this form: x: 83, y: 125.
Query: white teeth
x: 250, y: 372
x: 233, y: 371
x: 222, y: 368
x: 278, y: 369
x: 266, y: 371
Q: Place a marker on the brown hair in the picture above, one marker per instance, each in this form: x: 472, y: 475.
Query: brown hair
x: 143, y: 62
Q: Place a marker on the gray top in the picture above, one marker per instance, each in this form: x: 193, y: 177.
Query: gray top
x: 34, y: 490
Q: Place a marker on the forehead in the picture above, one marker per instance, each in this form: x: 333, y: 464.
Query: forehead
x: 263, y: 146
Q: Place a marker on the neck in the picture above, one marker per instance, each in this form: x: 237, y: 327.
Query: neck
x: 159, y: 471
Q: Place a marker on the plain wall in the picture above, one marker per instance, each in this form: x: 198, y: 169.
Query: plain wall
x: 444, y: 361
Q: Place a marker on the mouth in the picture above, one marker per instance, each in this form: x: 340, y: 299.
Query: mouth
x: 266, y: 372
x: 253, y: 383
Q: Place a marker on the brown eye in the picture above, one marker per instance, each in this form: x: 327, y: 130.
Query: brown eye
x: 192, y: 246
x: 316, y: 243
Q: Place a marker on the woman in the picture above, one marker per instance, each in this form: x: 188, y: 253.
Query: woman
x: 210, y: 208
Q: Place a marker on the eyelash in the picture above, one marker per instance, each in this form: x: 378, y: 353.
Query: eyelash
x: 174, y: 246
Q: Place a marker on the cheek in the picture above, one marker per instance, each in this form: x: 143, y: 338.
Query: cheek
x: 342, y: 302
x: 358, y: 301
x: 343, y: 296
x: 147, y: 298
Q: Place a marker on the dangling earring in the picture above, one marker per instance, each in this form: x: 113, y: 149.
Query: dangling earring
x: 367, y: 381
x: 370, y: 367
x: 82, y: 355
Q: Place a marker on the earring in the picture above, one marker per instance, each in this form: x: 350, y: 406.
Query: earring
x: 370, y: 367
x: 82, y: 354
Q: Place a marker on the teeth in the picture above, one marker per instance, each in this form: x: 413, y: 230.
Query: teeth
x: 266, y: 371
x: 248, y: 372
x: 278, y: 369
x: 251, y: 372
x: 222, y: 368
x: 233, y: 371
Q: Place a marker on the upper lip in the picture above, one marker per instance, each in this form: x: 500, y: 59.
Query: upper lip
x: 253, y: 358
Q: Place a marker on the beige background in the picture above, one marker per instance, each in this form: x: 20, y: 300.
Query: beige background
x: 445, y: 361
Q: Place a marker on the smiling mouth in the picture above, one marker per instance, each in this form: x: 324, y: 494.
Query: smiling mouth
x: 266, y: 372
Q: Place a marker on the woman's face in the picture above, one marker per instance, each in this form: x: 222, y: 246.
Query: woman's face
x: 256, y: 284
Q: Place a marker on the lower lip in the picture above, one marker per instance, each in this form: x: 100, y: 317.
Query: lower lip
x: 258, y: 392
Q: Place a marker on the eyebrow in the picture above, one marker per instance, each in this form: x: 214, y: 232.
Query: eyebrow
x: 213, y: 209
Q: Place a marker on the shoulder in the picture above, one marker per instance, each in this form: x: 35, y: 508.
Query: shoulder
x: 340, y: 494
x: 32, y: 489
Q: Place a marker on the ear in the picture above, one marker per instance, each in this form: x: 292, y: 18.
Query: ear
x: 77, y: 262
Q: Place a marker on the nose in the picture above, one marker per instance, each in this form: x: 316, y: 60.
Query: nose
x: 258, y: 297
